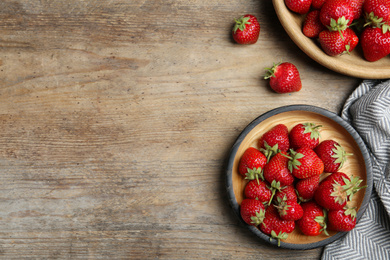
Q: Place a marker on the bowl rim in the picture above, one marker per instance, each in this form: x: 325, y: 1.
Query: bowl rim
x: 229, y: 172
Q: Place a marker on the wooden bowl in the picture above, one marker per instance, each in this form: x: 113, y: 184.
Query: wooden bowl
x: 333, y: 127
x: 352, y: 65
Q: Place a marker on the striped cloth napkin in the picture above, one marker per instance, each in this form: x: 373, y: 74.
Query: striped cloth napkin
x: 368, y: 111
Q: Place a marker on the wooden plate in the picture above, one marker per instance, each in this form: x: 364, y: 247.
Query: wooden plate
x: 333, y: 127
x: 352, y: 65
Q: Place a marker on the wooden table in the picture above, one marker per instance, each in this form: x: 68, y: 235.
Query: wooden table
x: 117, y: 118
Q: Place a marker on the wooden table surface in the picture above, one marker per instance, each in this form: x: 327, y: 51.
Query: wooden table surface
x: 117, y: 118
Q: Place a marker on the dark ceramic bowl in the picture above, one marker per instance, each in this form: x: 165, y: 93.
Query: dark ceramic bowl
x: 333, y: 127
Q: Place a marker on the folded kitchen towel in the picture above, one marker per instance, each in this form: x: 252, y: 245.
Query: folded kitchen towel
x: 368, y: 111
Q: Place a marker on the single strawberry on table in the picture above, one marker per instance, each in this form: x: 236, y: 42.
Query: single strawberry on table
x: 274, y: 141
x: 336, y: 190
x: 313, y: 220
x: 298, y: 6
x: 246, y: 29
x: 258, y: 189
x: 305, y: 135
x: 332, y: 154
x: 342, y: 220
x: 252, y: 211
x: 277, y: 170
x: 275, y: 226
x: 305, y: 163
x: 305, y: 188
x: 252, y: 163
x: 284, y: 78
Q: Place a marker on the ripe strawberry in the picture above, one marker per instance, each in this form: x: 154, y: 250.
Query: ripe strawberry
x: 304, y: 135
x: 313, y: 220
x: 258, y: 190
x: 335, y: 43
x: 275, y: 226
x: 252, y: 163
x: 289, y: 209
x: 306, y: 188
x: 286, y: 193
x: 375, y: 43
x: 284, y: 78
x: 252, y: 211
x: 332, y: 155
x: 305, y: 163
x: 298, y: 6
x: 377, y: 12
x: 277, y: 170
x: 274, y: 141
x: 342, y: 219
x: 246, y: 29
x: 312, y: 25
x: 317, y: 4
x: 336, y: 189
x: 338, y: 10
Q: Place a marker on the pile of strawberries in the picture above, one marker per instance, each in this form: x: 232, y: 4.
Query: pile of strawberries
x: 339, y: 25
x: 294, y: 180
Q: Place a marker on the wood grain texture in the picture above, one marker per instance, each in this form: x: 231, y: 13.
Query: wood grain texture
x: 117, y: 118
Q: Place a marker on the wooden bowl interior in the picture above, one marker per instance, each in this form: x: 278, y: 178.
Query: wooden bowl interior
x: 355, y: 164
x: 353, y: 65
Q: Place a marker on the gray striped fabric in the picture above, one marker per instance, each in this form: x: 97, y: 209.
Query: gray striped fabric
x: 368, y: 111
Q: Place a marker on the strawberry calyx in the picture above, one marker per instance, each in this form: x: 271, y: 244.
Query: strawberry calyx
x: 338, y: 26
x: 372, y: 20
x: 344, y: 193
x: 282, y: 205
x: 294, y: 162
x: 254, y: 174
x: 275, y: 186
x: 241, y: 23
x: 259, y: 218
x: 270, y: 151
x: 350, y: 212
x: 322, y: 221
x: 313, y: 129
x: 340, y: 155
x: 281, y: 235
x: 270, y: 72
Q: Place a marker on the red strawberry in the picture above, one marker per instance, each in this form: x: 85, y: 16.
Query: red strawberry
x: 298, y: 6
x: 252, y: 211
x: 335, y: 43
x: 304, y: 135
x: 287, y: 193
x: 305, y: 163
x: 306, y: 188
x: 275, y: 226
x: 313, y: 221
x: 377, y: 12
x: 277, y: 170
x: 332, y: 155
x: 246, y: 30
x: 335, y: 190
x: 375, y: 43
x: 258, y: 190
x: 252, y: 163
x: 289, y: 209
x: 312, y: 25
x: 284, y: 78
x: 338, y: 10
x: 274, y: 141
x: 342, y: 219
x: 317, y: 4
